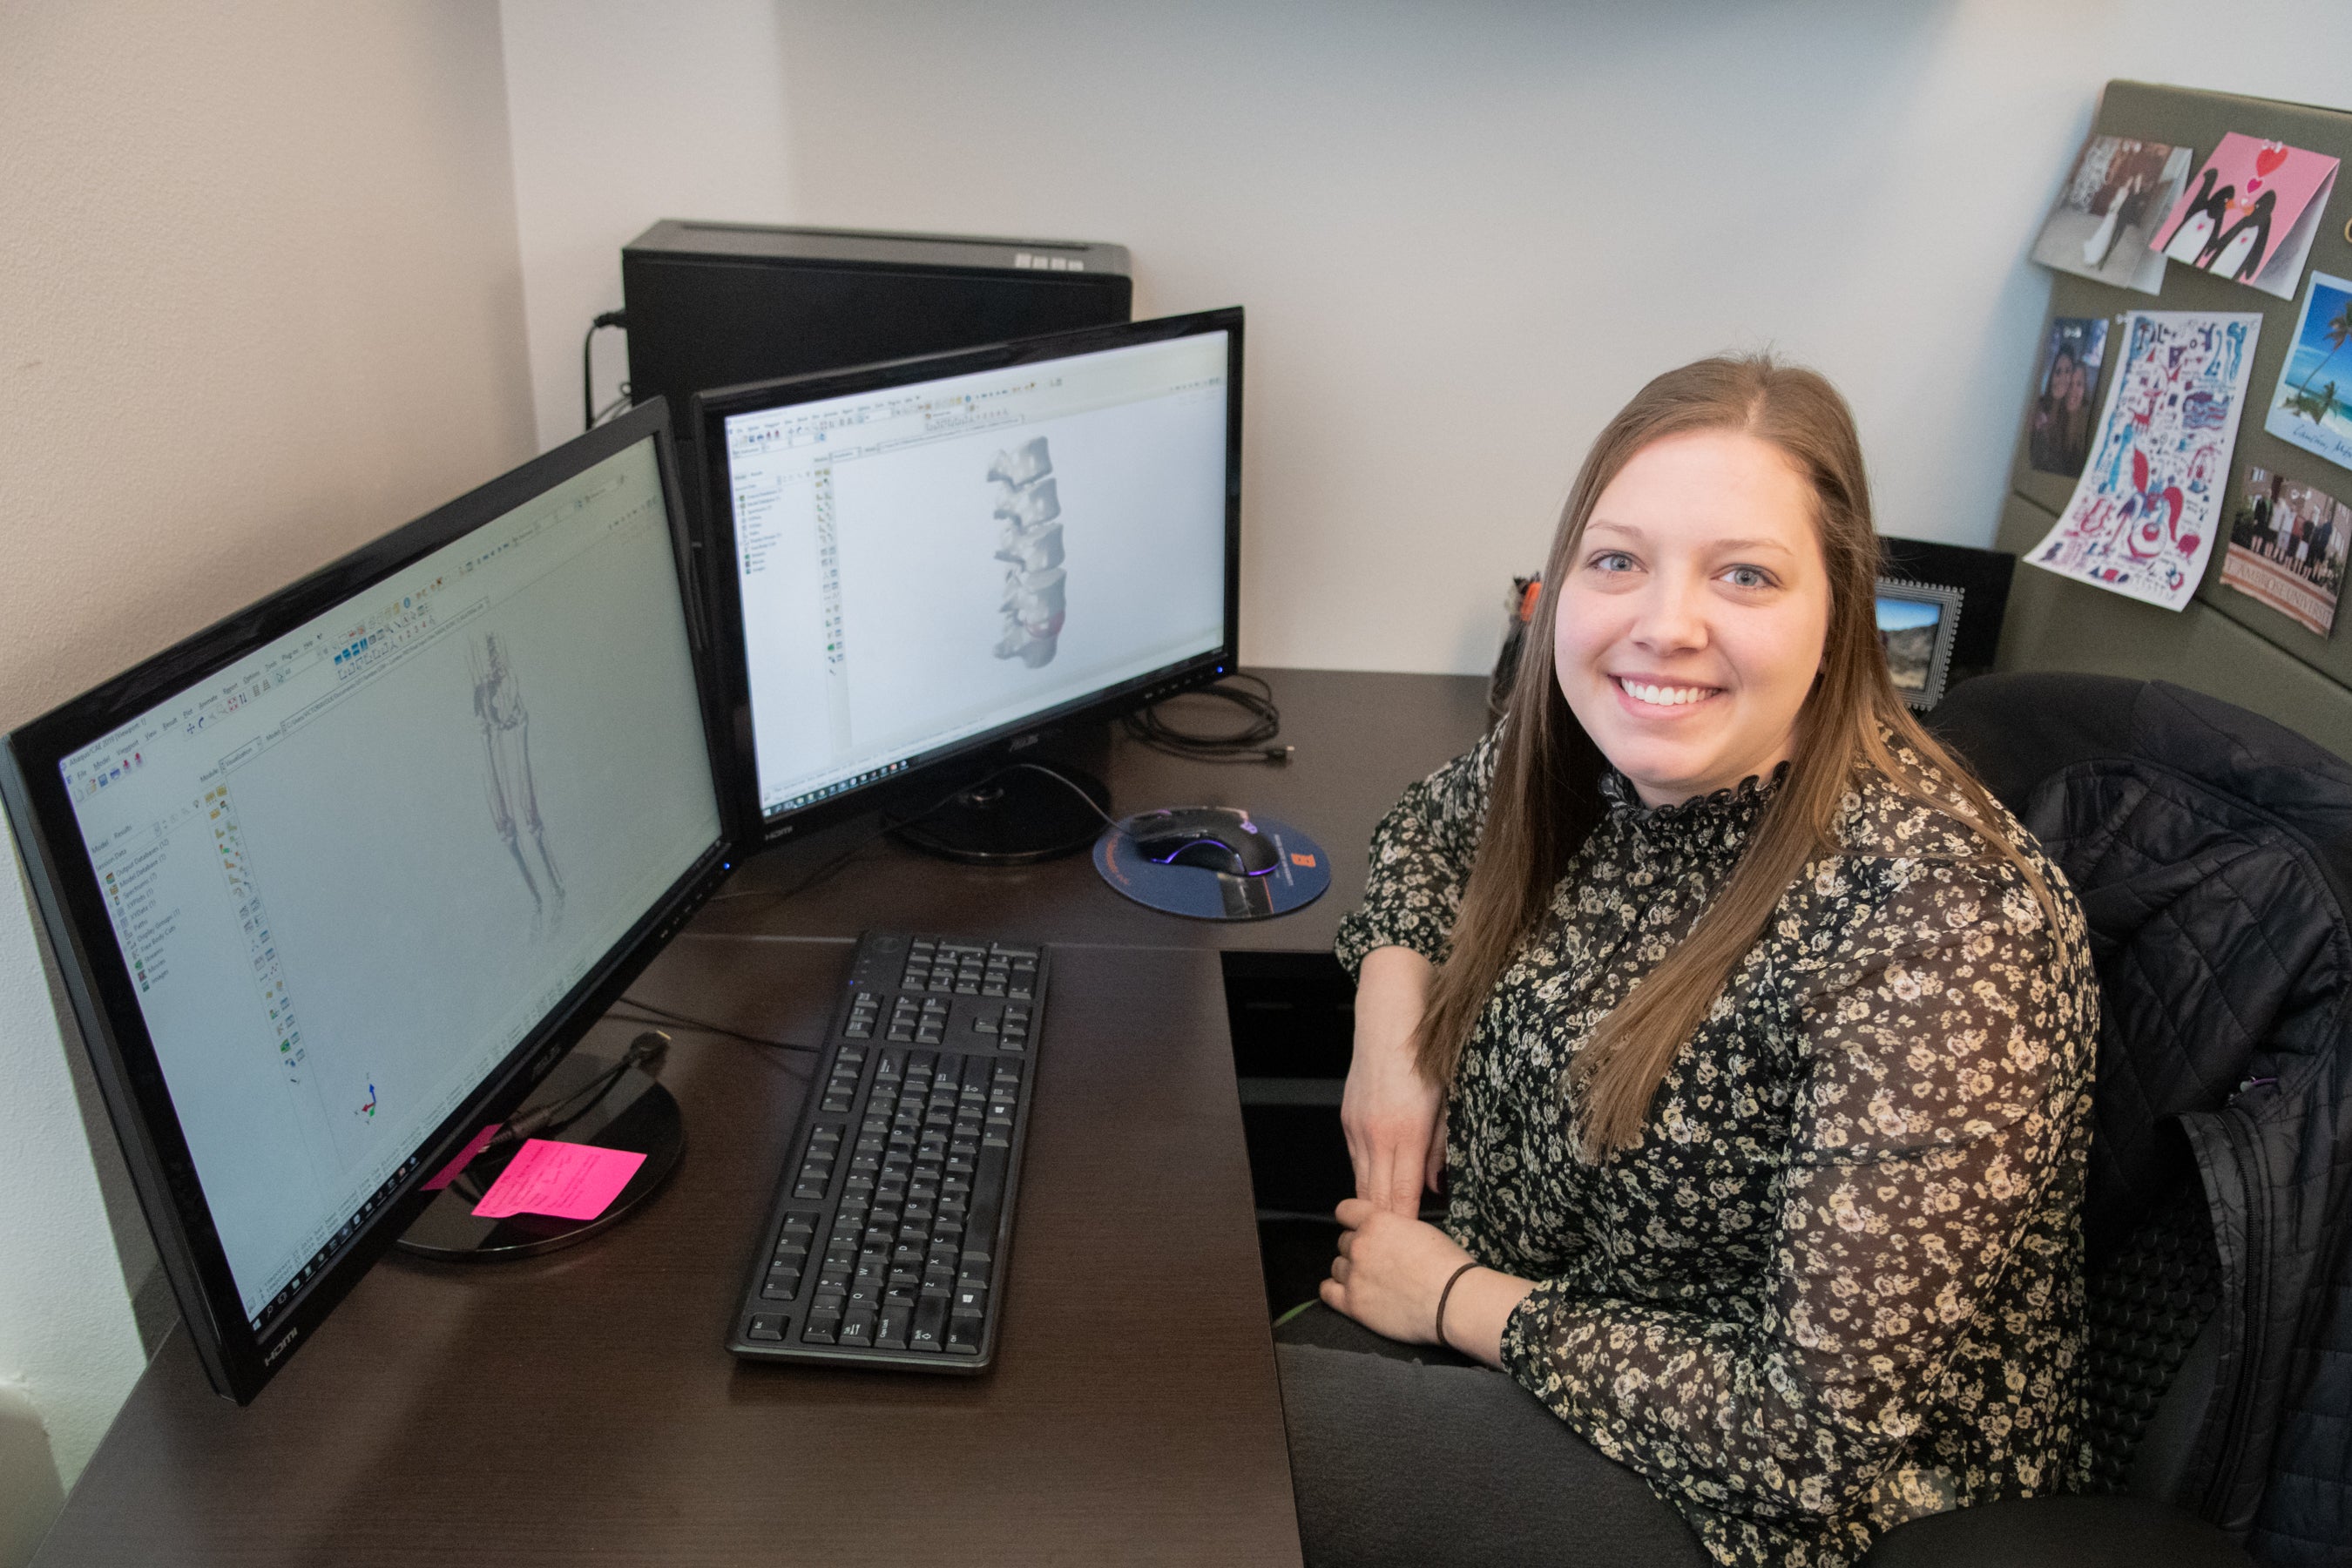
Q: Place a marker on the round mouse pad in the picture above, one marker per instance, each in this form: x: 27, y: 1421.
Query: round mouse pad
x: 1301, y: 872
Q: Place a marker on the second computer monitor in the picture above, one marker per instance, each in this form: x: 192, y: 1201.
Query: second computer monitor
x: 926, y: 563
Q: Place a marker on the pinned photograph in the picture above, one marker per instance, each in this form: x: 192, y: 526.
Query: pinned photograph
x: 2118, y: 192
x: 2251, y: 213
x: 2058, y: 427
x: 2287, y: 544
x: 2143, y: 516
x: 2313, y: 405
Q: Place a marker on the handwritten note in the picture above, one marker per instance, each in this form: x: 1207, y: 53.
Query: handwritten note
x: 570, y: 1181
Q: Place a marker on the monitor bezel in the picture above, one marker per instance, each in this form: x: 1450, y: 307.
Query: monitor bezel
x: 237, y: 1358
x: 927, y: 778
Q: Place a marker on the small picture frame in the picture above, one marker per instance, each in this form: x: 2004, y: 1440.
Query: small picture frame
x: 1917, y: 623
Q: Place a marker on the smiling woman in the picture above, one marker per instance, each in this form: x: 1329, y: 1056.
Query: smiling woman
x: 1685, y: 648
x: 1752, y: 1039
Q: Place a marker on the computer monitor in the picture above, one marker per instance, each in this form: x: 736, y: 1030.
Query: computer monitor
x: 920, y: 568
x: 333, y: 883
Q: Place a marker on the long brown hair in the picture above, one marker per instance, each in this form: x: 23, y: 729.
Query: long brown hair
x: 1546, y: 799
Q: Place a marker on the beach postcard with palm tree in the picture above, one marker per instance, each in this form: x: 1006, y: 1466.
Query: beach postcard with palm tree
x: 2312, y: 405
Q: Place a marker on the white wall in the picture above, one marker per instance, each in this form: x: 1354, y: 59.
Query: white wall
x: 1466, y: 233
x: 623, y: 113
x: 259, y: 301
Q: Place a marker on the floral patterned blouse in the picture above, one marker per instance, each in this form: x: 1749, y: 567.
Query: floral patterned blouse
x: 1839, y: 1282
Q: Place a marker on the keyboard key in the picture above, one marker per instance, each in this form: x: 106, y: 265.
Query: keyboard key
x: 767, y: 1326
x: 930, y: 1322
x: 890, y: 1327
x: 821, y: 1328
x: 857, y: 1328
x: 965, y: 1335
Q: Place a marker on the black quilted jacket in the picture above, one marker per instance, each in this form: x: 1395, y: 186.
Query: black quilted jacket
x: 2212, y: 851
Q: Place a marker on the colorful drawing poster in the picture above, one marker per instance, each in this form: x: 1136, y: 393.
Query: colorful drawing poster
x: 2143, y: 515
x: 2313, y: 405
x: 2058, y: 427
x: 2287, y: 543
x: 2252, y: 213
x: 2118, y: 192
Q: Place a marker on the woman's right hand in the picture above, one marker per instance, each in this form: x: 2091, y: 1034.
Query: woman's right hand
x: 1390, y: 1113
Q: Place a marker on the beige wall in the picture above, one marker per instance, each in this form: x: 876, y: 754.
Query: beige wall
x: 259, y: 301
x: 704, y: 131
x: 1466, y: 232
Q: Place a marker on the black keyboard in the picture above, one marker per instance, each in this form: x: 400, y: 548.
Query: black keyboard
x: 886, y: 1243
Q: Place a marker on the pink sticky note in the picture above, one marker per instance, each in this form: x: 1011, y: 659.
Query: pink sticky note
x: 570, y: 1181
x: 465, y: 1157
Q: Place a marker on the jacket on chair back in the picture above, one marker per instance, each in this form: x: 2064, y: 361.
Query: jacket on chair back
x: 2213, y: 853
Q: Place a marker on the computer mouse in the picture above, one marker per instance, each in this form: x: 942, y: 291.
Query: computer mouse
x: 1214, y: 838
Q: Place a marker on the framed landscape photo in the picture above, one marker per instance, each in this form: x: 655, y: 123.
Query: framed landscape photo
x: 1917, y: 623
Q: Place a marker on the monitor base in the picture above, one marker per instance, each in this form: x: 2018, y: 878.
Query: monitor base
x: 637, y: 1114
x: 1016, y: 817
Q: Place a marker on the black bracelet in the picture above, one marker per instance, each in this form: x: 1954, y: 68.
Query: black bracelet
x: 1441, y: 1295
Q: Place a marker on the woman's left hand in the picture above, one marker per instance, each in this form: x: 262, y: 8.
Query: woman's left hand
x: 1390, y: 1271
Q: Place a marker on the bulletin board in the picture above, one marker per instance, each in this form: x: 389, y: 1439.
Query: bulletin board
x: 2222, y: 641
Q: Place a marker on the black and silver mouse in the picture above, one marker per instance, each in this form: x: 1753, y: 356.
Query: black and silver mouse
x: 1214, y: 838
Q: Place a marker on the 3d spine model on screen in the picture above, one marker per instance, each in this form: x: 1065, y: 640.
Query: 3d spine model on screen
x: 1032, y: 547
x: 514, y: 800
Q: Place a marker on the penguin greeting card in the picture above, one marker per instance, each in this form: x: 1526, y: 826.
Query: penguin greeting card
x: 2250, y: 213
x: 2142, y: 518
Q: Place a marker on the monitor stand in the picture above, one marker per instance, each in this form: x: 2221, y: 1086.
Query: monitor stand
x: 637, y: 1114
x: 1017, y: 816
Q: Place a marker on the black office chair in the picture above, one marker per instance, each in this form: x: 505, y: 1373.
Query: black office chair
x: 2212, y: 852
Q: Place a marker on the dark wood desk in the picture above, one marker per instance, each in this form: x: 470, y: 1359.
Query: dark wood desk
x: 578, y: 1408
x: 1361, y: 738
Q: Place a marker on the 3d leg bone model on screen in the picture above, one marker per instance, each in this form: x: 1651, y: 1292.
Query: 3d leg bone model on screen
x: 1032, y: 547
x: 514, y: 802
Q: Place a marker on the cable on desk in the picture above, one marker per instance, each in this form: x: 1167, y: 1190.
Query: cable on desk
x: 1249, y: 743
x: 1063, y: 779
x: 646, y: 1048
x: 588, y: 411
x: 890, y: 824
x: 658, y: 1015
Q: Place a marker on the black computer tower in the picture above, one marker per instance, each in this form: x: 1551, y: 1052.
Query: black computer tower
x: 716, y: 304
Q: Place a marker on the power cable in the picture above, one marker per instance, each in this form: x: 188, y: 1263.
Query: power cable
x: 590, y: 416
x: 1262, y: 722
